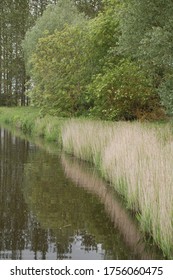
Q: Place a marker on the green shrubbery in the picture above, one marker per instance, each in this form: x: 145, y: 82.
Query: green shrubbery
x: 122, y: 92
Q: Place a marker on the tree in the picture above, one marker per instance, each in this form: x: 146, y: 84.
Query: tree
x: 103, y: 33
x: 37, y: 7
x: 13, y: 27
x: 54, y: 18
x: 59, y: 71
x: 67, y: 61
x: 15, y: 18
x: 140, y: 17
x: 147, y: 38
x: 146, y: 27
x: 90, y: 7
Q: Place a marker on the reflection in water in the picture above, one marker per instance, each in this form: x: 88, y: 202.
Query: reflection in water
x: 80, y: 228
x: 13, y: 214
x: 47, y: 215
x: 89, y: 180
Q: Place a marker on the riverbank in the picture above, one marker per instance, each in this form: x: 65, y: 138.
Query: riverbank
x: 29, y: 121
x: 137, y: 159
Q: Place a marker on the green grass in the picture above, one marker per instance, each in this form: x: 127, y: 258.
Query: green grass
x: 29, y: 121
x: 20, y: 118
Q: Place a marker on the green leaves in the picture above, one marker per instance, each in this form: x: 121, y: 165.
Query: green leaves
x: 55, y: 17
x: 104, y: 66
x: 147, y: 37
x: 121, y: 92
x: 58, y: 70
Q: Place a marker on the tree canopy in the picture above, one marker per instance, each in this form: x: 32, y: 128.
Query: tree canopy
x: 83, y: 57
x: 147, y: 37
x: 55, y: 17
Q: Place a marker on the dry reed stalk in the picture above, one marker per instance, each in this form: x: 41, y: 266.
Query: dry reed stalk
x: 137, y: 155
x: 137, y: 162
x: 85, y: 139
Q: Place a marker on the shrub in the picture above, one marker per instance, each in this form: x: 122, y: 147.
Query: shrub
x: 122, y: 92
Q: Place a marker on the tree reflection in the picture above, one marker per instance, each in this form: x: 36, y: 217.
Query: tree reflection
x: 85, y: 176
x: 13, y: 214
x: 19, y: 232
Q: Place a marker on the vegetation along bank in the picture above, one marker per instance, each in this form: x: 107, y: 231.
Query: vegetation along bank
x: 136, y: 158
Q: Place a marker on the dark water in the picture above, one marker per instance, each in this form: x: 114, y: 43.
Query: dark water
x: 55, y: 207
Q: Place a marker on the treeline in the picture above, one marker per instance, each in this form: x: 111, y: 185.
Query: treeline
x: 117, y: 65
x: 16, y: 17
x: 110, y: 59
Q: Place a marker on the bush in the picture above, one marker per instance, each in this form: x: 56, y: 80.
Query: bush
x: 122, y: 92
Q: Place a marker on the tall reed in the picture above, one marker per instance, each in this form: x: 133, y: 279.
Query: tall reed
x: 136, y: 160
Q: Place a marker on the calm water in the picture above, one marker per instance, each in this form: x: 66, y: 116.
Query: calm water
x: 55, y: 207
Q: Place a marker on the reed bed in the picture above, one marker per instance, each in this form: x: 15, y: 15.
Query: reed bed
x: 138, y: 161
x: 88, y: 179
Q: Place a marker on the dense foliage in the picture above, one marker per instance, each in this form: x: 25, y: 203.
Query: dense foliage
x: 59, y: 74
x: 123, y: 92
x: 109, y: 58
x: 147, y: 38
x: 78, y: 67
x: 16, y: 18
x: 55, y: 17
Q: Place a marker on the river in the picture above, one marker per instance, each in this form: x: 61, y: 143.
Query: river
x: 53, y: 206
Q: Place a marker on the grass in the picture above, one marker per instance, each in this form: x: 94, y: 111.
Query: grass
x: 29, y: 121
x: 137, y: 158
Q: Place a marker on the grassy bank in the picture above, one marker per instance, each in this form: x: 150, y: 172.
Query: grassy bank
x: 136, y: 158
x: 29, y: 121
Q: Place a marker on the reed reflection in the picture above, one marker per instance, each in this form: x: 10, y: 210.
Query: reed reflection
x: 123, y: 222
x: 74, y: 217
